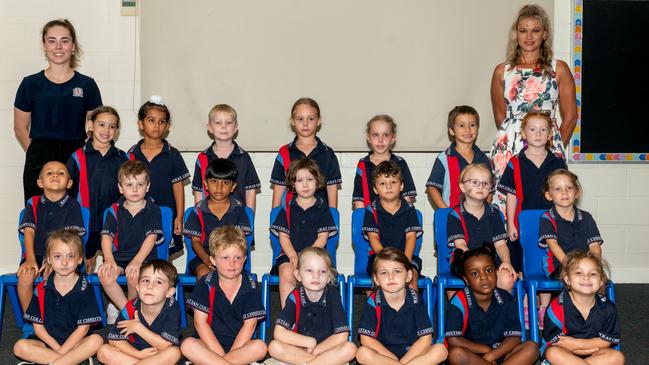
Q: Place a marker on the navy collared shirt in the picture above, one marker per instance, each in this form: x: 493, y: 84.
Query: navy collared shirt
x: 166, y: 168
x: 305, y: 224
x: 131, y: 231
x: 227, y: 317
x: 392, y: 228
x: 58, y: 111
x: 235, y: 216
x: 395, y: 328
x: 166, y: 323
x: 406, y: 177
x: 102, y: 179
x: 465, y: 318
x: 564, y: 319
x: 64, y: 213
x: 62, y: 314
x: 532, y: 179
x: 247, y: 178
x: 323, y: 156
x: 489, y: 228
x: 319, y: 319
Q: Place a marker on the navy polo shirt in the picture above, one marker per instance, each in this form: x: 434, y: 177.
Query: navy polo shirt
x: 408, y: 184
x: 323, y: 156
x: 564, y: 319
x: 64, y: 213
x: 235, y: 216
x: 247, y: 178
x: 439, y: 176
x: 166, y: 168
x: 58, y: 111
x: 465, y: 318
x: 319, y: 319
x: 532, y: 179
x: 392, y: 228
x: 305, y: 224
x: 395, y: 329
x: 227, y: 317
x: 166, y: 324
x: 62, y: 314
x: 102, y: 179
x: 131, y: 231
x: 489, y: 228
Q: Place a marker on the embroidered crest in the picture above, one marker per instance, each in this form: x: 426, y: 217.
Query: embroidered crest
x: 77, y: 92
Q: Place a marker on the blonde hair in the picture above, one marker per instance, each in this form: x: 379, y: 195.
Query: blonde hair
x: 225, y: 108
x: 227, y: 236
x: 534, y: 11
x: 541, y: 115
x: 324, y: 255
x: 67, y: 236
x: 572, y: 176
x: 479, y: 166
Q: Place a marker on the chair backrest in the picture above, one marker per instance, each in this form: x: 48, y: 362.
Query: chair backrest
x: 332, y: 242
x: 362, y: 245
x: 190, y: 254
x: 162, y: 250
x: 441, y: 241
x: 533, y: 255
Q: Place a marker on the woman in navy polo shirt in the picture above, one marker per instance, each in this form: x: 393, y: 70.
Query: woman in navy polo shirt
x: 51, y: 106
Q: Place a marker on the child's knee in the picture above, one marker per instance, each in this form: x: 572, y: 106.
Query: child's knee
x: 275, y: 347
x: 458, y: 355
x: 530, y: 347
x: 171, y: 355
x: 258, y: 347
x: 21, y: 347
x: 286, y: 273
x: 348, y: 350
x: 94, y: 341
x: 615, y: 357
x: 201, y: 271
x: 26, y: 279
x: 364, y: 355
x: 104, y: 352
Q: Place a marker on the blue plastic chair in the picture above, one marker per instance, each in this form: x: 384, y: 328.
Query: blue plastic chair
x: 361, y: 279
x: 162, y: 251
x: 10, y: 281
x: 446, y: 280
x: 187, y: 279
x: 267, y: 280
x: 534, y: 278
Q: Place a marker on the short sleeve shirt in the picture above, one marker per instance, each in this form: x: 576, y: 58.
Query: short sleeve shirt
x: 305, y: 225
x: 62, y: 314
x: 394, y: 328
x: 129, y: 232
x: 319, y: 319
x: 465, y: 318
x: 165, y: 169
x: 392, y: 228
x: 247, y: 178
x: 50, y: 216
x: 58, y: 111
x: 488, y: 228
x: 408, y: 183
x: 102, y: 179
x: 226, y: 318
x: 532, y: 178
x: 235, y: 216
x: 166, y: 324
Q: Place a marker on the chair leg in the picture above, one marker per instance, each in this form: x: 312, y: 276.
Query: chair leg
x: 265, y: 298
x: 441, y: 303
x: 520, y: 298
x: 430, y: 298
x: 180, y: 297
x: 531, y: 312
x: 100, y: 302
x: 15, y: 305
x: 351, y: 281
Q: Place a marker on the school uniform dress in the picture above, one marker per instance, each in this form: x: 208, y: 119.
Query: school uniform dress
x: 129, y: 232
x: 45, y: 216
x: 525, y: 180
x: 224, y: 317
x: 58, y: 120
x: 62, y: 314
x: 564, y: 319
x: 98, y: 190
x: 166, y: 324
x: 319, y: 319
x: 201, y: 222
x: 323, y: 156
x: 391, y: 228
x: 396, y: 330
x: 465, y: 318
x: 576, y: 235
x: 247, y: 178
x: 165, y: 169
x: 302, y: 226
x: 445, y: 174
x: 363, y: 187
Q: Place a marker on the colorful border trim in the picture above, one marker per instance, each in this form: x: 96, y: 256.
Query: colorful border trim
x: 577, y: 155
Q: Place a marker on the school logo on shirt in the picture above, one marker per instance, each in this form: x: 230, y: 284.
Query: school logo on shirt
x: 77, y: 92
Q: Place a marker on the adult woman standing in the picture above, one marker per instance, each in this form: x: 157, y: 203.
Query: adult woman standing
x: 530, y: 79
x: 51, y: 106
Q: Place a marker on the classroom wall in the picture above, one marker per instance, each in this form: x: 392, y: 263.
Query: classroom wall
x: 614, y: 193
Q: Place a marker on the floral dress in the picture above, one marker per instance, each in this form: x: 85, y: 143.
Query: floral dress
x: 525, y: 90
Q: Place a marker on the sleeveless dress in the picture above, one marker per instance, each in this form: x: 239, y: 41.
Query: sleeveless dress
x: 525, y: 90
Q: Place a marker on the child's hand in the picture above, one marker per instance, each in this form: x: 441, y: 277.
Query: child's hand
x: 28, y: 266
x: 586, y: 352
x: 490, y: 358
x: 293, y: 260
x: 512, y: 232
x: 46, y: 269
x: 131, y: 326
x: 507, y: 268
x: 132, y: 271
x: 148, y: 352
x: 178, y: 224
x: 108, y: 269
x: 310, y: 345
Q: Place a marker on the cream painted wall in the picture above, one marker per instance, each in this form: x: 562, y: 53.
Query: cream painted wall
x: 615, y: 194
